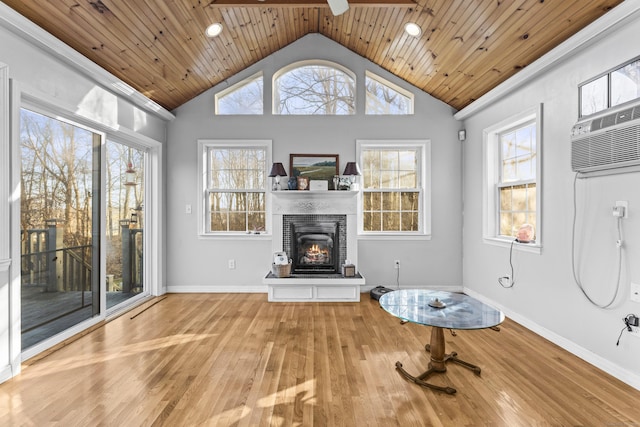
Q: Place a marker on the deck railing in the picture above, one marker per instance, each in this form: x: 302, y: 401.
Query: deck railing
x: 48, y: 266
x: 46, y: 262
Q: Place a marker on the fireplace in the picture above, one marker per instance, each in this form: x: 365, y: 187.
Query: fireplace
x: 317, y: 231
x: 315, y: 247
x: 316, y: 244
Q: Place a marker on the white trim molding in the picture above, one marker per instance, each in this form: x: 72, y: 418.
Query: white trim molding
x: 5, y: 163
x: 9, y: 355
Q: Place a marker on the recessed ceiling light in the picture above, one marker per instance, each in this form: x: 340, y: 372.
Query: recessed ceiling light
x: 213, y: 30
x: 412, y: 29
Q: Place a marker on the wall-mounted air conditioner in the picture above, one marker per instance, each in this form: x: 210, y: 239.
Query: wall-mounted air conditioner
x: 607, y: 141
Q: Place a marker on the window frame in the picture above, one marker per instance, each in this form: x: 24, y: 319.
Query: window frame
x: 424, y: 188
x: 608, y: 74
x: 392, y: 86
x: 492, y: 181
x: 275, y: 98
x: 237, y: 86
x: 204, y: 145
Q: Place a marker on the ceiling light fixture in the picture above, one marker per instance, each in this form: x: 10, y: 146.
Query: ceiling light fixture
x: 214, y: 30
x: 412, y: 29
x: 338, y: 7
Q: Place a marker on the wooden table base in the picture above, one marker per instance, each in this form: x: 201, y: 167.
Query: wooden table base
x: 437, y: 364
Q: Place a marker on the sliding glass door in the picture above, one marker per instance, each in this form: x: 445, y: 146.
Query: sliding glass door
x: 59, y: 225
x: 125, y: 221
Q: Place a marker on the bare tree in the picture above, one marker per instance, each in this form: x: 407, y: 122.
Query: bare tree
x: 56, y: 175
x: 316, y: 89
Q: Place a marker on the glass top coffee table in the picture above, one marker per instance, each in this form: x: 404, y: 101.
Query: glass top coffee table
x: 440, y: 310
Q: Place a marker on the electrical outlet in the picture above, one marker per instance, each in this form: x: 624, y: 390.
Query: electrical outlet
x: 232, y: 264
x: 396, y: 264
x: 187, y: 209
x: 505, y: 281
x: 631, y: 323
x: 621, y: 209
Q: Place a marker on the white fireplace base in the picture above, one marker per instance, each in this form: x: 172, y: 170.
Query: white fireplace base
x: 321, y: 289
x: 305, y: 288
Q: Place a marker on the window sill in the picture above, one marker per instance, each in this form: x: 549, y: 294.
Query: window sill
x: 394, y: 237
x: 535, y: 248
x: 236, y: 236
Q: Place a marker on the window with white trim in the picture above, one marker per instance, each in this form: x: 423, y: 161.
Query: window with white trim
x: 314, y: 88
x: 234, y: 186
x: 512, y: 177
x: 613, y: 88
x: 245, y: 97
x: 395, y: 188
x: 385, y: 98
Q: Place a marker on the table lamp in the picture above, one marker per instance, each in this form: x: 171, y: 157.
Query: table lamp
x: 352, y: 169
x: 277, y: 170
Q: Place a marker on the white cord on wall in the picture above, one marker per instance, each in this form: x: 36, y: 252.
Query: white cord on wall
x: 573, y: 263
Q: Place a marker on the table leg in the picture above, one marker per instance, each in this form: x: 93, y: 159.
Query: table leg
x: 437, y: 364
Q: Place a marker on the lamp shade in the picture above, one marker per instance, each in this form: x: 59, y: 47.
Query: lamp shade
x: 352, y: 169
x: 277, y: 170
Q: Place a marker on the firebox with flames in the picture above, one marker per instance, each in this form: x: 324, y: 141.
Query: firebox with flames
x: 314, y: 254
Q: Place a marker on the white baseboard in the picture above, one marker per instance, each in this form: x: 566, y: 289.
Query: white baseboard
x: 5, y: 373
x: 599, y: 362
x: 367, y: 288
x: 216, y: 289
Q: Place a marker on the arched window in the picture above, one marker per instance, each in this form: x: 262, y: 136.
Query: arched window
x: 314, y: 88
x: 383, y: 97
x: 244, y: 97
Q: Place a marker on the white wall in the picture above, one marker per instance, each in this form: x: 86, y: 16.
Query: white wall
x: 201, y: 264
x: 545, y: 297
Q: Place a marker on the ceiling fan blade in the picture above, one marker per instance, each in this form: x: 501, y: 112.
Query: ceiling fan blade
x: 338, y: 7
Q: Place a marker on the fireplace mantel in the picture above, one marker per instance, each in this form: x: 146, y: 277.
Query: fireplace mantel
x: 309, y: 288
x: 309, y: 202
x: 315, y: 193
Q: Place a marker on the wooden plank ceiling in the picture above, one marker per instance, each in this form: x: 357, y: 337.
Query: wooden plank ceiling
x: 467, y: 47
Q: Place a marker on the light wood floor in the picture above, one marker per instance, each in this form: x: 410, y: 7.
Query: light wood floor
x: 235, y: 359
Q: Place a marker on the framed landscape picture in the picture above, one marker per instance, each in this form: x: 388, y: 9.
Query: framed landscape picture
x: 315, y: 166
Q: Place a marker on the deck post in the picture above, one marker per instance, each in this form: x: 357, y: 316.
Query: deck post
x: 125, y: 232
x: 55, y: 237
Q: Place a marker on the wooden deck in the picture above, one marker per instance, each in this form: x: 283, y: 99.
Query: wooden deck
x: 39, y: 307
x: 237, y: 360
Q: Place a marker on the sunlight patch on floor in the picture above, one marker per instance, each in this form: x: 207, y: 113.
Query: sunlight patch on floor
x: 56, y: 365
x: 300, y: 394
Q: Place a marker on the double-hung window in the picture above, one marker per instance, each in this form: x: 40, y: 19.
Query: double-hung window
x: 234, y: 183
x: 512, y: 177
x: 395, y: 188
x: 517, y: 185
